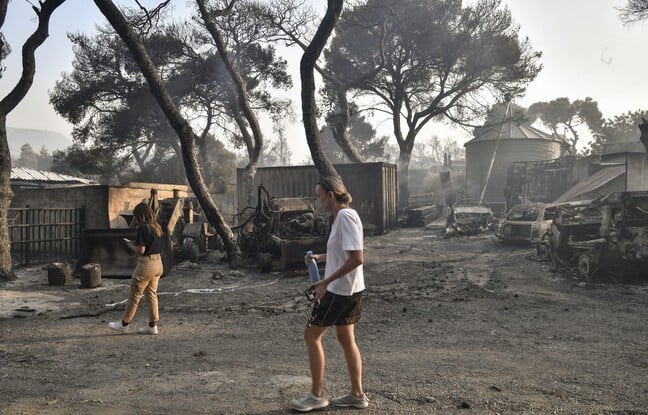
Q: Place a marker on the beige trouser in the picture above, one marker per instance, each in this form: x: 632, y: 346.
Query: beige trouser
x: 145, y: 281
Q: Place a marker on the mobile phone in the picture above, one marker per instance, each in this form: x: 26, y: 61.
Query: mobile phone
x: 126, y: 240
x: 310, y: 294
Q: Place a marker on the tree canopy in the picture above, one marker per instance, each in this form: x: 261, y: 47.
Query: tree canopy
x: 108, y: 100
x: 362, y: 135
x: 497, y: 115
x: 439, y: 59
x: 634, y: 11
x: 618, y: 129
x: 560, y: 113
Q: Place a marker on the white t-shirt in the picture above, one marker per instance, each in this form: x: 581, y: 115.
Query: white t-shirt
x: 346, y: 235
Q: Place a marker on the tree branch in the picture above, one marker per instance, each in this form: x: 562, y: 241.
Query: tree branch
x: 13, y: 98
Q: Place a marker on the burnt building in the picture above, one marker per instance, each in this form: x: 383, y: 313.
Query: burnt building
x: 491, y: 155
x: 622, y: 167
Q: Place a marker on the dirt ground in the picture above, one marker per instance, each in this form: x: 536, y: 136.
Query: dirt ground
x: 468, y: 325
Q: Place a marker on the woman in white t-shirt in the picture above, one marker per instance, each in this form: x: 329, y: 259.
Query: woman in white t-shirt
x: 338, y: 299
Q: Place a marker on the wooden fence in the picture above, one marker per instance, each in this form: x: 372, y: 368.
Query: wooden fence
x: 45, y: 235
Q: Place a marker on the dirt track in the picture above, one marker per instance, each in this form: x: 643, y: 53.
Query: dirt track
x: 457, y: 326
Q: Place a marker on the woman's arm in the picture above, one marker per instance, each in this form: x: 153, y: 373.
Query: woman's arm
x: 138, y: 249
x: 317, y: 257
x: 355, y: 259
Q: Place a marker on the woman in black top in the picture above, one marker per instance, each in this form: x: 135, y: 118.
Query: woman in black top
x: 147, y: 273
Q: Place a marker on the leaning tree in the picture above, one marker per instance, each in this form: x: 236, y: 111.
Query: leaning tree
x: 7, y: 104
x: 182, y: 127
x: 307, y: 72
x: 178, y: 122
x: 108, y: 100
x: 295, y: 24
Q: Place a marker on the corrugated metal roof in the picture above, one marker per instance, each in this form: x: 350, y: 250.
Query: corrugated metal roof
x: 513, y: 131
x: 595, y: 181
x: 32, y: 175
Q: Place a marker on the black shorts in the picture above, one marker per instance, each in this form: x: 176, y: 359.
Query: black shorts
x: 333, y: 310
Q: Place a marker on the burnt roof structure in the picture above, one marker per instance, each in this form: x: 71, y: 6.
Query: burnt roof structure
x: 490, y: 155
x: 26, y: 177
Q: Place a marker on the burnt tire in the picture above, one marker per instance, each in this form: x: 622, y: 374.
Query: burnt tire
x: 542, y: 249
x: 264, y: 262
x: 587, y: 266
x: 551, y: 253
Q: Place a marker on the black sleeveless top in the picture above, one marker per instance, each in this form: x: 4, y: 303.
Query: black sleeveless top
x: 152, y: 242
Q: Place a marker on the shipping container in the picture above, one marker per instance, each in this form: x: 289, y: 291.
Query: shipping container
x: 373, y: 186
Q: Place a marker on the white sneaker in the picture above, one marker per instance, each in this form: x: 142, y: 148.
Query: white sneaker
x: 117, y: 325
x: 308, y: 402
x: 359, y: 402
x: 148, y: 330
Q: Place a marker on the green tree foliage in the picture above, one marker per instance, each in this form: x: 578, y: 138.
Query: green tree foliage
x: 496, y: 116
x: 108, y: 100
x: 634, y: 11
x: 44, y: 159
x: 97, y: 163
x: 296, y: 22
x: 362, y: 136
x: 436, y: 152
x: 5, y: 49
x: 439, y: 59
x: 187, y: 137
x: 565, y: 117
x: 622, y: 128
x: 278, y: 152
x: 28, y: 158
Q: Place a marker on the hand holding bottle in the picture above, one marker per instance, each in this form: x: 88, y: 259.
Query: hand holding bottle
x: 313, y: 270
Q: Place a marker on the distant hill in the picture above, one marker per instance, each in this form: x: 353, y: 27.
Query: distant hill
x: 37, y: 139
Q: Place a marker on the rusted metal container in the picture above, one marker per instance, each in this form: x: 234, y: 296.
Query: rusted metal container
x: 58, y: 273
x: 90, y: 275
x: 373, y: 186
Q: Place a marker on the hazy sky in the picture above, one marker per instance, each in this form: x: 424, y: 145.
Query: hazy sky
x: 586, y: 52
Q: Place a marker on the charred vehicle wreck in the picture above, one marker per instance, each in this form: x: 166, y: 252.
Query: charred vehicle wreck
x: 610, y: 235
x: 531, y: 223
x: 526, y: 222
x: 468, y: 218
x: 279, y: 231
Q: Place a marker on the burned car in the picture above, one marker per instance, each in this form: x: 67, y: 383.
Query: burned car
x: 610, y: 235
x: 531, y: 222
x: 468, y: 218
x: 526, y: 222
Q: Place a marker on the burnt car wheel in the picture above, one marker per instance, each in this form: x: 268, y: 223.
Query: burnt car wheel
x: 542, y: 249
x: 264, y: 261
x: 587, y: 266
x: 551, y: 253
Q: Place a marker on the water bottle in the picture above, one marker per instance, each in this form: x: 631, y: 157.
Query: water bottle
x: 313, y: 271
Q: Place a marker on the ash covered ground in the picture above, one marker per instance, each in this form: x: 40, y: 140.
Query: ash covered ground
x: 466, y: 325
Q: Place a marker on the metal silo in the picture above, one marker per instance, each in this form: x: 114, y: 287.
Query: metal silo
x: 490, y: 155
